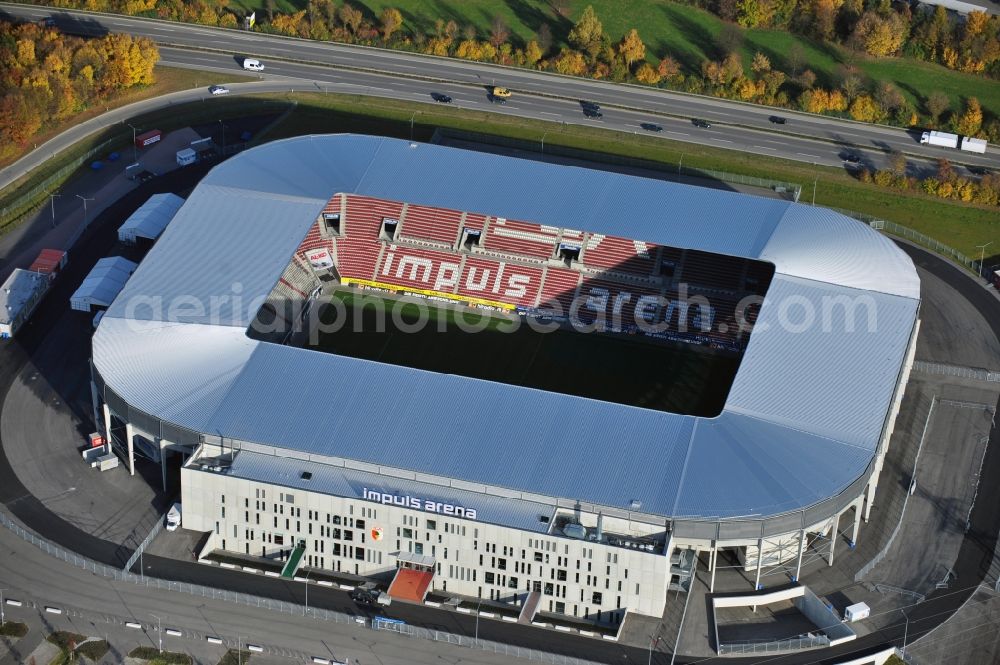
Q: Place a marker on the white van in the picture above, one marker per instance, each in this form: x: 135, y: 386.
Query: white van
x: 174, y: 517
x: 253, y: 65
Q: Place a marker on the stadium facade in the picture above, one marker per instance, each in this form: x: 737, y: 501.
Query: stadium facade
x: 583, y: 507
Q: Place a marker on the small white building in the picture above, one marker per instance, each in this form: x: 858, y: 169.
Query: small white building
x: 186, y: 156
x: 103, y: 284
x: 151, y: 218
x: 19, y: 296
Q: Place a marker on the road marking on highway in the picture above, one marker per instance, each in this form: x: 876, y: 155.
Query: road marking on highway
x: 550, y: 113
x: 723, y: 141
x: 677, y: 133
x: 764, y: 147
x: 808, y: 155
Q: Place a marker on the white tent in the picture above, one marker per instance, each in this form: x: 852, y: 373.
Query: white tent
x: 151, y: 218
x: 103, y: 284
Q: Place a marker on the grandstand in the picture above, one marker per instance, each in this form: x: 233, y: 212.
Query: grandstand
x: 500, y: 465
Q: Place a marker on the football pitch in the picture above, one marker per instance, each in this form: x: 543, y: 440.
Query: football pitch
x: 454, y: 339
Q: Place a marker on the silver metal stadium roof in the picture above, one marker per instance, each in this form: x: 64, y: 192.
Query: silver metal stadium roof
x: 801, y: 422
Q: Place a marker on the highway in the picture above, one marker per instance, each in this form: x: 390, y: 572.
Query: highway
x: 806, y: 138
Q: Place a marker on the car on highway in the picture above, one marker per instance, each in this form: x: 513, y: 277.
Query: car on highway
x: 218, y: 90
x: 499, y: 92
x: 778, y: 120
x: 851, y: 157
x: 48, y: 22
x: 651, y: 127
x: 253, y: 65
x: 441, y: 97
x: 496, y: 100
x: 698, y: 122
x: 590, y: 105
x: 978, y: 170
x: 592, y: 112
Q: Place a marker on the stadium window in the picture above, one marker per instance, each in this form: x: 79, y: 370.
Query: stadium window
x: 407, y: 533
x: 418, y: 548
x: 512, y: 583
x: 470, y: 237
x: 360, y: 524
x: 568, y: 254
x: 538, y: 557
x: 336, y: 534
x: 389, y: 227
x: 335, y: 551
x: 489, y: 578
x: 596, y: 598
x: 536, y: 586
x: 561, y: 608
x: 331, y: 222
x: 336, y: 519
x: 549, y: 589
x: 619, y: 585
x: 561, y: 575
x: 431, y: 525
x: 348, y: 535
x: 502, y: 564
x: 279, y: 539
x: 359, y: 553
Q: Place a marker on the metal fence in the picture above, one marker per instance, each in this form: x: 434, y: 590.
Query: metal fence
x: 37, y: 194
x: 774, y: 646
x: 901, y: 231
x: 274, y: 605
x: 954, y: 370
x: 481, y: 645
x: 157, y: 527
x: 868, y: 567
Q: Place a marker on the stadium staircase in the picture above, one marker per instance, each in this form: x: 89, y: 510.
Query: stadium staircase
x: 530, y: 607
x: 292, y: 565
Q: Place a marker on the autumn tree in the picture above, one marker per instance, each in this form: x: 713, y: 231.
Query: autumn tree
x: 499, y: 31
x: 646, y: 74
x: 864, y: 109
x: 936, y: 104
x: 750, y: 13
x: 391, y: 20
x: 570, y: 62
x: 532, y: 53
x: 588, y: 33
x: 350, y: 17
x: 879, y: 35
x: 761, y: 64
x: 897, y: 162
x: 631, y: 48
x: 730, y: 39
x: 544, y: 38
x: 971, y: 120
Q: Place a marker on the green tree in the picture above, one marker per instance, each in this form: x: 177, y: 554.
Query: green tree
x: 588, y: 33
x: 631, y: 48
x: 391, y: 20
x: 971, y: 120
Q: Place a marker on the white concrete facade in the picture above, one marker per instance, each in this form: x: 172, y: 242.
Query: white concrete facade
x: 471, y: 558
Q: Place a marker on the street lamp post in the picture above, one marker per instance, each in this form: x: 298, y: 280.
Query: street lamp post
x: 653, y: 641
x: 906, y: 630
x: 304, y: 611
x: 543, y: 141
x: 52, y: 202
x: 135, y: 150
x: 982, y: 255
x: 223, y: 137
x: 680, y: 164
x: 411, y: 123
x: 84, y: 199
x: 159, y: 633
x: 814, y: 189
x: 478, y: 605
x: 2, y: 620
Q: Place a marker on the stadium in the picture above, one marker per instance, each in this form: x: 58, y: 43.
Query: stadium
x: 719, y: 372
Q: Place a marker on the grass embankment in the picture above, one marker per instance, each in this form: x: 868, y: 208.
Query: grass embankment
x: 120, y: 137
x: 13, y: 629
x: 234, y: 657
x: 688, y: 34
x: 962, y: 226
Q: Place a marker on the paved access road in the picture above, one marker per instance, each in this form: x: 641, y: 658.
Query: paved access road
x: 808, y: 138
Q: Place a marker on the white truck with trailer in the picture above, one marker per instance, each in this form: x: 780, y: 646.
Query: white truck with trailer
x: 949, y: 140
